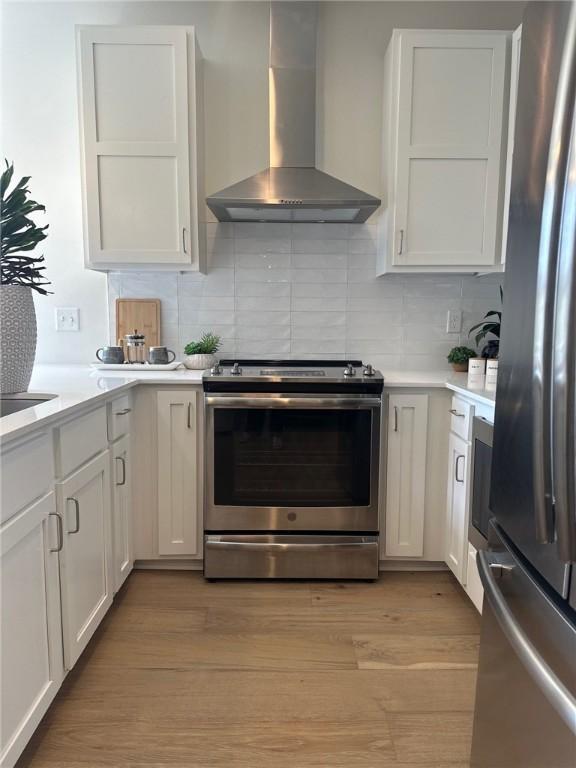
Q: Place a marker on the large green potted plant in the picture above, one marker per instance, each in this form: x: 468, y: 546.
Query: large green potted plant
x: 490, y: 326
x: 20, y: 274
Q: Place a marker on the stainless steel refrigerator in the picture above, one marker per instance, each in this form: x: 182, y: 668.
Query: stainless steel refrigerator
x: 525, y: 713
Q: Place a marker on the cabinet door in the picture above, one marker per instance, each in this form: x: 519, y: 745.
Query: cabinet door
x: 457, y: 511
x: 31, y: 648
x: 474, y: 587
x: 121, y: 511
x: 86, y: 562
x: 177, y: 473
x: 406, y: 474
x: 134, y: 111
x: 448, y: 148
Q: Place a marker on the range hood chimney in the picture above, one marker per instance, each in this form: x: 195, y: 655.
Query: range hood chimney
x: 292, y: 188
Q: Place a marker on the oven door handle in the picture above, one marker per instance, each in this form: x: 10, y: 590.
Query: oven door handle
x: 258, y: 546
x: 283, y: 401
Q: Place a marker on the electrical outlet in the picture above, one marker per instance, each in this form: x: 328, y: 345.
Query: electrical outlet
x: 454, y: 321
x: 67, y: 319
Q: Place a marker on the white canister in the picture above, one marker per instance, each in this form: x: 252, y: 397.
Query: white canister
x: 491, y: 373
x: 476, y: 372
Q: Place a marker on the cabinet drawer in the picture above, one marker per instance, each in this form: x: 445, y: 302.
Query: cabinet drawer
x: 27, y: 474
x: 461, y: 415
x: 80, y: 439
x: 119, y: 414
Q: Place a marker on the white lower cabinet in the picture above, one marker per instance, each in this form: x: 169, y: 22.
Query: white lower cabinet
x: 85, y: 560
x: 474, y: 587
x: 31, y: 647
x: 406, y: 475
x: 121, y: 474
x: 178, y: 508
x: 457, y: 506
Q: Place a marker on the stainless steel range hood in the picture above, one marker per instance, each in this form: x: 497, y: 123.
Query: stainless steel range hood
x: 292, y: 188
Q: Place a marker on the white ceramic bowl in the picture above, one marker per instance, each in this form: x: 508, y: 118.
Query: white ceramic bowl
x: 199, y: 362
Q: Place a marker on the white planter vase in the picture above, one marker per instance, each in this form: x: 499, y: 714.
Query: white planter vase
x: 17, y: 338
x: 199, y: 362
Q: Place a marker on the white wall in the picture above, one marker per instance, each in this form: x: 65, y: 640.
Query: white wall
x: 39, y: 112
x: 308, y: 290
x: 40, y: 129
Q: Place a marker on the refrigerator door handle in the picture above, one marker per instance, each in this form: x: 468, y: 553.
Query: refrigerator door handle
x: 558, y: 696
x: 546, y: 288
x: 564, y: 359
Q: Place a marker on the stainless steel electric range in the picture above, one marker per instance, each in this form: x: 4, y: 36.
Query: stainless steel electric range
x: 292, y: 469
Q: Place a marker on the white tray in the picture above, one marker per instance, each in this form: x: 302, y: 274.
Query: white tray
x: 137, y: 367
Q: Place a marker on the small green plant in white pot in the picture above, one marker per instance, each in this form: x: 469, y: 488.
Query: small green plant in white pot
x: 20, y: 274
x: 199, y: 355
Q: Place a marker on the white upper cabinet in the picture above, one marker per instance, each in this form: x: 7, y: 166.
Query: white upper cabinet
x: 443, y: 141
x: 140, y: 116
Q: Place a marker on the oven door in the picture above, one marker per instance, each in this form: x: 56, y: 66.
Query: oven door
x: 280, y: 462
x: 480, y: 514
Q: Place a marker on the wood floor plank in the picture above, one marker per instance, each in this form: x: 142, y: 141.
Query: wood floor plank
x: 416, y: 651
x: 424, y: 738
x: 119, y: 649
x: 282, y: 745
x: 206, y: 696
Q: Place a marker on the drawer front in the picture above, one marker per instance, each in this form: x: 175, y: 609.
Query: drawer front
x: 119, y: 413
x: 80, y: 439
x: 27, y: 474
x: 461, y: 416
x: 262, y: 556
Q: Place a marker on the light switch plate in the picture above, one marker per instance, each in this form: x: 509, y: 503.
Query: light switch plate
x: 454, y: 321
x: 67, y: 319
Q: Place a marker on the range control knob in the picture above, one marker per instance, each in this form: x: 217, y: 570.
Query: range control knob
x: 236, y: 370
x: 216, y: 370
x: 349, y: 370
x: 368, y: 370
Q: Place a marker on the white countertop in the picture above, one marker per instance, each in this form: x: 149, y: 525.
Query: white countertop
x: 457, y: 382
x: 77, y: 385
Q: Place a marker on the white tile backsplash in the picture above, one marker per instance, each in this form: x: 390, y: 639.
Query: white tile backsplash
x: 309, y: 290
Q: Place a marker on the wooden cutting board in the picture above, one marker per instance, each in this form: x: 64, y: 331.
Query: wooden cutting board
x: 142, y: 315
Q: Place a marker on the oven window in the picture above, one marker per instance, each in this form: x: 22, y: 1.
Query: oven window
x: 292, y: 458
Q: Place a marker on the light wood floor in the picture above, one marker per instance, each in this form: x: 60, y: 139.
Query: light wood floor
x: 186, y: 674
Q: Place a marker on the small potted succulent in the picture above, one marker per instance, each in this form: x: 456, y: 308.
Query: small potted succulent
x: 459, y: 357
x: 21, y: 272
x: 199, y: 355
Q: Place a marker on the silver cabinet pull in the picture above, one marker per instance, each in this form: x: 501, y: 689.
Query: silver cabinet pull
x: 59, y: 531
x: 123, y: 464
x: 189, y: 416
x: 395, y: 418
x: 123, y: 412
x: 184, y: 239
x: 454, y: 412
x: 77, y: 511
x: 458, y: 479
x: 401, y: 242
